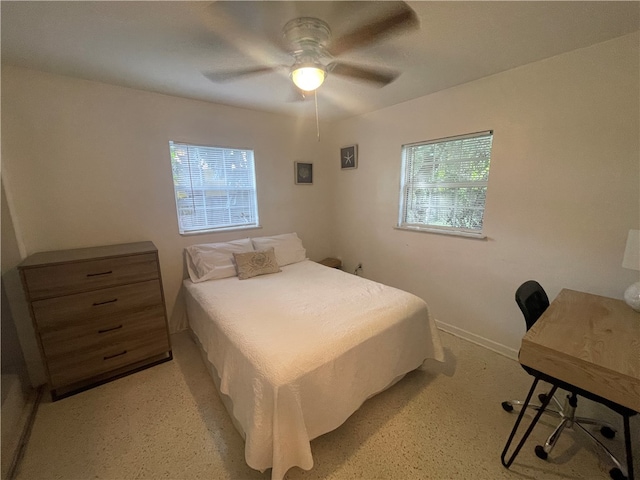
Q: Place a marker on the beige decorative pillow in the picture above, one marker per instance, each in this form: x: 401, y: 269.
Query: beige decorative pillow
x: 252, y: 264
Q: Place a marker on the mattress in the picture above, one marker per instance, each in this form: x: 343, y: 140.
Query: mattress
x: 297, y: 352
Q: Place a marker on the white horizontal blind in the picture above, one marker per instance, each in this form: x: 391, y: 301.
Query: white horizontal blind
x: 215, y: 188
x: 444, y: 183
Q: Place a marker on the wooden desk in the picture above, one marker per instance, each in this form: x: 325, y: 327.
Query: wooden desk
x: 591, y: 342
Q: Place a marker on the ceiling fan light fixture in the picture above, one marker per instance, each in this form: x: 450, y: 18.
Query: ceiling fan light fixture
x: 308, y: 77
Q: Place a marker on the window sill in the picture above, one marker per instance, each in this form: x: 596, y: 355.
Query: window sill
x: 219, y: 230
x: 442, y: 231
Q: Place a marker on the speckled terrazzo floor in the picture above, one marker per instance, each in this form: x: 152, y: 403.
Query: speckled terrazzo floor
x: 168, y: 422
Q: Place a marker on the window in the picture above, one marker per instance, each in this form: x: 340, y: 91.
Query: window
x: 444, y: 184
x: 215, y: 188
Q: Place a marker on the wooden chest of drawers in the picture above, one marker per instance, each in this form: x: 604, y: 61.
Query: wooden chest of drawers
x: 98, y: 313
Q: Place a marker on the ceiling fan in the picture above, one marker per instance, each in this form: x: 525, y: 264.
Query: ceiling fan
x: 314, y: 51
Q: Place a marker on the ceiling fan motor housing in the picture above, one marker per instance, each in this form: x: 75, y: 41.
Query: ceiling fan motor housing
x: 307, y: 37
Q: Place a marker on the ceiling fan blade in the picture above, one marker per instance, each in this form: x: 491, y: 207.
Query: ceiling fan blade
x: 401, y: 17
x: 226, y: 76
x: 247, y: 26
x: 373, y: 75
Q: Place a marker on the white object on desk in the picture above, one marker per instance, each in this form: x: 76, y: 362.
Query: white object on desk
x: 631, y: 261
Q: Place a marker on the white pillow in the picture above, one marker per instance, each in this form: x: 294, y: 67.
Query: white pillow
x: 288, y: 247
x: 210, y: 261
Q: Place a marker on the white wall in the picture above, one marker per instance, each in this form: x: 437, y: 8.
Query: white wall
x: 88, y: 164
x: 563, y: 189
x: 18, y: 338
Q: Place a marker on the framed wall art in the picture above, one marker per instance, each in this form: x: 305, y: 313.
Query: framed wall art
x: 349, y: 157
x: 303, y: 173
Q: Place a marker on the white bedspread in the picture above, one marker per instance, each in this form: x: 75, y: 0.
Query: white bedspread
x: 299, y: 351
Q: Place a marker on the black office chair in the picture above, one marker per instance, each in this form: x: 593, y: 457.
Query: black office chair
x: 533, y: 301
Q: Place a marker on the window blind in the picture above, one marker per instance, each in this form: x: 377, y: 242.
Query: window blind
x: 215, y: 188
x: 444, y: 183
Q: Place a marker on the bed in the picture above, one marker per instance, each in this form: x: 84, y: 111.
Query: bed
x: 295, y: 352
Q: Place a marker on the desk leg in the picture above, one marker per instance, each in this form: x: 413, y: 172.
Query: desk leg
x: 627, y: 443
x: 544, y: 405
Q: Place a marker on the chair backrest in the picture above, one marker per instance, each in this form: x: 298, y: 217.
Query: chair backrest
x: 532, y: 300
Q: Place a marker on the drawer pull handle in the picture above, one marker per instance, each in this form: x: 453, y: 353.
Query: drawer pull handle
x: 110, y: 329
x: 116, y: 355
x: 95, y: 304
x: 100, y: 273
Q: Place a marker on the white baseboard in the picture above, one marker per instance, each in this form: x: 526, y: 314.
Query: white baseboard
x: 478, y: 340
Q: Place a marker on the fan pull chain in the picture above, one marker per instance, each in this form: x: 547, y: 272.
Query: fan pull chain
x: 315, y: 96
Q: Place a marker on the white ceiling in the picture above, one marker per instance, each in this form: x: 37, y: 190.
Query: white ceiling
x: 165, y: 46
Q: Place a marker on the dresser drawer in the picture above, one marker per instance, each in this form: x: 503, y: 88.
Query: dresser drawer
x: 63, y: 312
x: 68, y: 278
x: 80, y: 365
x: 85, y: 337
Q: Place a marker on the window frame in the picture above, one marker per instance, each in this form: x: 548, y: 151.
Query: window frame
x: 210, y: 227
x: 406, y: 183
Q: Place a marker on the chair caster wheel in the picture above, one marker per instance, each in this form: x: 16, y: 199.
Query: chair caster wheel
x: 608, y: 432
x: 616, y: 474
x: 540, y: 453
x: 507, y: 406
